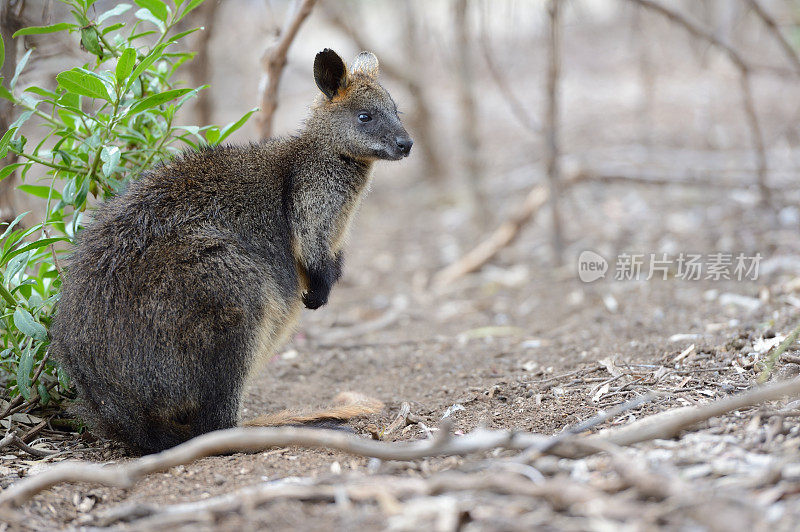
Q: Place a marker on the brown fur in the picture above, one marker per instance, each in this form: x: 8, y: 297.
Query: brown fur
x: 347, y: 405
x: 183, y: 284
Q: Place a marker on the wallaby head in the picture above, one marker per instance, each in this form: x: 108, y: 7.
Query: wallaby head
x: 355, y: 112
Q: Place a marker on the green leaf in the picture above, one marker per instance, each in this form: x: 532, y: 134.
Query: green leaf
x: 212, y: 135
x: 20, y: 66
x: 125, y: 65
x: 181, y: 35
x: 81, y: 18
x: 42, y: 92
x: 8, y: 170
x: 21, y: 119
x: 117, y: 10
x: 70, y: 190
x: 12, y: 224
x: 91, y: 41
x: 34, y: 245
x: 189, y: 7
x: 5, y: 140
x: 63, y: 378
x: 156, y: 7
x: 24, y: 369
x: 26, y: 324
x: 38, y: 30
x: 110, y: 157
x: 15, y: 265
x: 43, y: 393
x: 230, y: 128
x: 40, y: 191
x: 148, y: 60
x: 5, y: 93
x: 2, y: 52
x: 157, y: 99
x: 81, y: 83
x: 145, y: 14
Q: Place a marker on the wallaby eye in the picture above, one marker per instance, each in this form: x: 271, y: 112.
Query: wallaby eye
x: 364, y: 117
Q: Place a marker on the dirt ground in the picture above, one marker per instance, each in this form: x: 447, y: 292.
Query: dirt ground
x: 524, y: 345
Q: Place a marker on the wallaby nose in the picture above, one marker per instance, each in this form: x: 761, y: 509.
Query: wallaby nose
x: 404, y: 144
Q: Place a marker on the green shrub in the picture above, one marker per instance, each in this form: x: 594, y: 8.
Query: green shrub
x: 105, y: 123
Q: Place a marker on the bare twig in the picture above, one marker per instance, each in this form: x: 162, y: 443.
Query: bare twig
x: 274, y: 61
x: 10, y: 21
x: 468, y: 127
x: 551, y: 128
x: 201, y: 66
x: 558, y: 492
x: 664, y: 425
x: 518, y: 110
x: 13, y: 440
x: 772, y: 25
x: 669, y: 424
x: 738, y: 61
x: 499, y: 239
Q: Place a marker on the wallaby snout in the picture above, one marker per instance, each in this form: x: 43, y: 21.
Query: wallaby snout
x: 404, y: 145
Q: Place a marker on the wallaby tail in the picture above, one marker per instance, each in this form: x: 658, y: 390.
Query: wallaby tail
x: 346, y: 405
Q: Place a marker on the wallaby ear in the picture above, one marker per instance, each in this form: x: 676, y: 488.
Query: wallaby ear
x: 365, y: 63
x: 330, y: 72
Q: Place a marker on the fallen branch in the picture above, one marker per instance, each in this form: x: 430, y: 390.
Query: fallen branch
x: 669, y: 424
x: 664, y: 425
x: 560, y: 493
x: 500, y: 238
x: 274, y: 61
x: 13, y: 440
x: 508, y: 231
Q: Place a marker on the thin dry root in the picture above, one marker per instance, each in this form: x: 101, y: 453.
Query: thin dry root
x: 346, y: 405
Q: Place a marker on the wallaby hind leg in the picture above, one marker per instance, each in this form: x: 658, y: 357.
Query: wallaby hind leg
x: 346, y: 405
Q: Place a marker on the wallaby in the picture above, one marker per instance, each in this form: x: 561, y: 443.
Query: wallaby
x: 181, y: 284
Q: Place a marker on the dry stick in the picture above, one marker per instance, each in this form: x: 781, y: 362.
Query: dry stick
x: 551, y: 127
x: 622, y: 179
x: 772, y: 25
x: 11, y: 20
x: 200, y: 68
x: 421, y: 116
x: 559, y: 492
x: 647, y: 75
x: 468, y: 127
x: 669, y: 424
x: 11, y: 439
x: 748, y: 102
x: 274, y: 61
x: 504, y: 235
x: 663, y: 425
x: 518, y: 110
x: 500, y: 238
